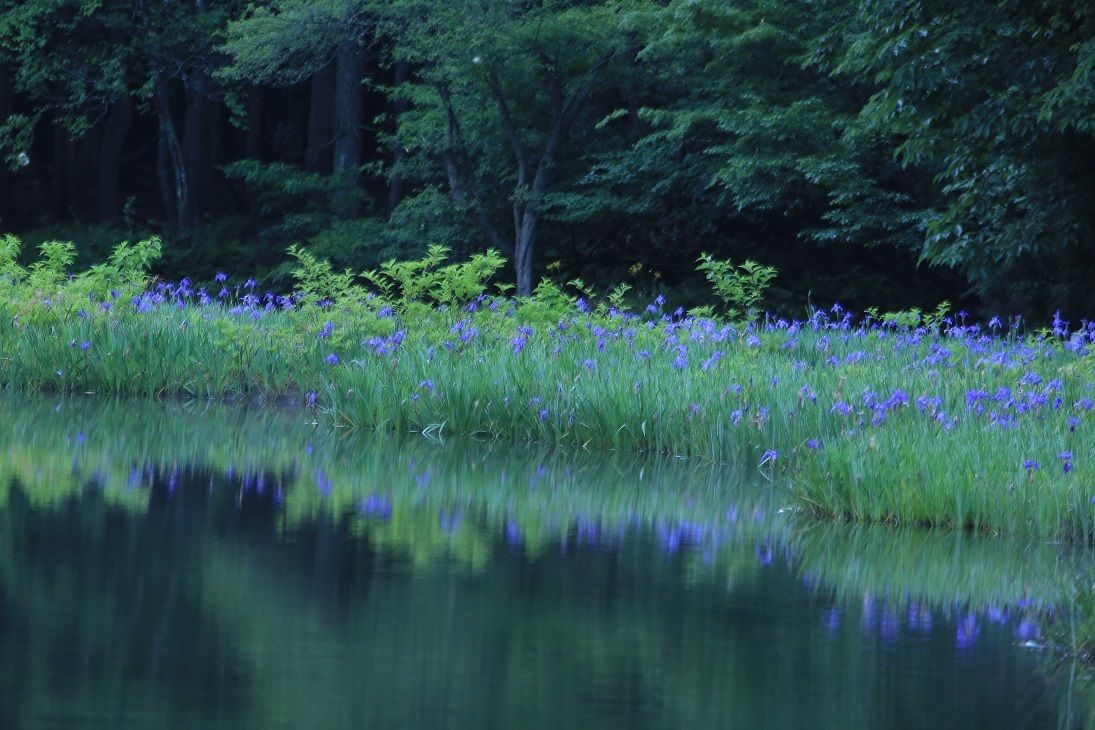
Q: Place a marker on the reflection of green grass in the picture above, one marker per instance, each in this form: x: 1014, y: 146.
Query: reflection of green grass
x: 938, y: 567
x: 423, y: 499
x: 911, y: 571
x: 420, y: 497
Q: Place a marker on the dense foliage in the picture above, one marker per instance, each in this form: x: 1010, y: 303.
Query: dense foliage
x: 891, y: 153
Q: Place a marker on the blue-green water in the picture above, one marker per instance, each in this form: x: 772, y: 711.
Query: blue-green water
x: 169, y: 566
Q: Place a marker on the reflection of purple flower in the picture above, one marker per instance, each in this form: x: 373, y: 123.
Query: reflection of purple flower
x: 450, y: 521
x: 377, y: 506
x: 890, y: 625
x: 967, y: 632
x: 513, y: 535
x: 920, y: 618
x: 764, y: 554
x: 831, y: 621
x: 868, y: 611
x: 1028, y: 630
x: 322, y: 482
x: 589, y: 532
x: 671, y: 539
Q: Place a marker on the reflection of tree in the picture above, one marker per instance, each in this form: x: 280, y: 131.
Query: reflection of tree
x: 594, y: 637
x: 94, y: 608
x: 196, y: 603
x: 477, y: 586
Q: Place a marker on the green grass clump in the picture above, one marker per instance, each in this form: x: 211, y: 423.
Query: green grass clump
x: 904, y: 418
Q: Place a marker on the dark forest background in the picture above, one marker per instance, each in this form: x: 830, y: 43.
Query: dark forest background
x: 888, y: 153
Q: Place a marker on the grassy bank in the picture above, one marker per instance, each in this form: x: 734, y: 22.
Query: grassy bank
x: 905, y: 419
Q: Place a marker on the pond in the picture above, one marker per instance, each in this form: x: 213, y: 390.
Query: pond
x: 208, y: 566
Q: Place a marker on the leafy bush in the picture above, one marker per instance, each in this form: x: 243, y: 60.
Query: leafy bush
x: 739, y: 285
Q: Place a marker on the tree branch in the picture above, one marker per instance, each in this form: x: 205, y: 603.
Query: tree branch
x: 510, y: 129
x: 462, y: 185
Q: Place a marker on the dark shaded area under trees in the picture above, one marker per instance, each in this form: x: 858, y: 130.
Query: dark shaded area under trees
x: 875, y: 152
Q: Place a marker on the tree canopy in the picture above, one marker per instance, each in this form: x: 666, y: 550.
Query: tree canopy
x: 908, y: 151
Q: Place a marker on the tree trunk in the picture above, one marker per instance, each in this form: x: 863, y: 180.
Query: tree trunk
x: 10, y: 215
x: 395, y: 184
x: 529, y: 197
x: 171, y: 163
x: 320, y: 124
x: 254, y: 149
x: 163, y: 181
x: 195, y: 142
x: 115, y: 128
x: 525, y: 244
x: 349, y: 69
x: 463, y: 189
x: 62, y: 172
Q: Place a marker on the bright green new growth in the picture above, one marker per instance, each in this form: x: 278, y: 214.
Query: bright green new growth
x: 740, y: 286
x: 317, y: 280
x: 428, y: 281
x: 402, y: 285
x: 912, y: 318
x: 45, y: 288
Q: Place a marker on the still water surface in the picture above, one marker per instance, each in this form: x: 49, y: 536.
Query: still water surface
x: 169, y: 566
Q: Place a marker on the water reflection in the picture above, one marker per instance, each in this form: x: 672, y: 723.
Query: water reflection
x: 228, y: 567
